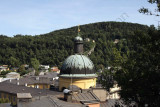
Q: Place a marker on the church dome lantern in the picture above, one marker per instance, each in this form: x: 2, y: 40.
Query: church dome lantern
x: 78, y: 43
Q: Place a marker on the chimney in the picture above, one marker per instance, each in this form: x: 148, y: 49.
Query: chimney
x: 67, y: 95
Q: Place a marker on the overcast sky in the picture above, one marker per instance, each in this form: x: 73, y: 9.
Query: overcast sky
x: 33, y: 17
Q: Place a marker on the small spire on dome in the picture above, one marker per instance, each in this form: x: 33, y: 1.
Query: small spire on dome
x: 79, y: 28
x: 78, y: 38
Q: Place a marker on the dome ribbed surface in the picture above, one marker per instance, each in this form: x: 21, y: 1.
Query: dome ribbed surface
x: 77, y: 64
x: 77, y: 61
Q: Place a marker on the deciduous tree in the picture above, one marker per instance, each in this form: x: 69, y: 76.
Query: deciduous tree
x: 148, y: 11
x: 140, y: 74
x: 35, y: 64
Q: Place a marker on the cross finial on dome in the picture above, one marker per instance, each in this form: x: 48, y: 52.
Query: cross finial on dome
x: 79, y: 28
x: 78, y: 38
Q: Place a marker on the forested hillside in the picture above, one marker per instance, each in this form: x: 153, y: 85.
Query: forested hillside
x: 54, y: 47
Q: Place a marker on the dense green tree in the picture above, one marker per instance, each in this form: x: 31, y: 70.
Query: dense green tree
x: 3, y: 73
x: 148, y: 11
x: 117, y: 59
x: 35, y: 64
x: 14, y: 62
x: 52, y: 48
x: 22, y: 70
x: 139, y: 75
x: 106, y: 79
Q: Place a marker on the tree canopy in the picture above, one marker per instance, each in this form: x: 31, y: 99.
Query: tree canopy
x: 54, y: 47
x: 139, y: 75
x: 35, y: 64
x: 148, y: 11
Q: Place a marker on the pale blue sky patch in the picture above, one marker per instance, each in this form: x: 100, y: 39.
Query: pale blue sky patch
x: 35, y: 17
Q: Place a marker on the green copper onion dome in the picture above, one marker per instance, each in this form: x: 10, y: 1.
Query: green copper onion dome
x: 78, y: 65
x: 78, y: 62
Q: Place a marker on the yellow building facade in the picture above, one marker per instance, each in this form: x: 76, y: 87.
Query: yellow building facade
x: 40, y: 86
x: 81, y: 83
